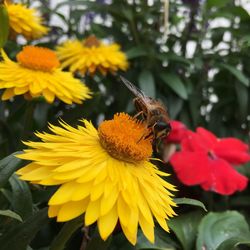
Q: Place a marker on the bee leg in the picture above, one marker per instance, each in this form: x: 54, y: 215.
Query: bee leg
x: 145, y: 136
x: 138, y: 114
x: 156, y: 146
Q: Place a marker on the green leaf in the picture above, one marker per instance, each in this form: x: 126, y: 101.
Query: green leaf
x: 185, y: 228
x: 147, y: 83
x: 237, y: 73
x: 11, y: 214
x: 188, y: 201
x: 242, y: 97
x: 8, y: 166
x: 66, y: 232
x: 173, y: 57
x: 4, y: 21
x: 233, y: 243
x: 19, y: 236
x: 97, y: 242
x: 162, y: 241
x: 175, y: 83
x: 21, y: 197
x: 217, y: 3
x: 216, y: 228
x: 136, y: 52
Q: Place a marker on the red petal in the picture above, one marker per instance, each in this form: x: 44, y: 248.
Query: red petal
x: 207, y: 137
x: 232, y: 150
x: 193, y: 142
x: 177, y: 133
x: 223, y: 178
x: 191, y: 168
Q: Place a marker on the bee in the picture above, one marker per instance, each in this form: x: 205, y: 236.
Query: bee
x: 153, y: 112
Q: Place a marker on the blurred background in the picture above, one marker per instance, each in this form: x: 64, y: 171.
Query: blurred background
x: 192, y: 55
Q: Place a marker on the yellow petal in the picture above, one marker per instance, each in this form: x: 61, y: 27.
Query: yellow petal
x: 96, y: 191
x: 63, y: 194
x: 123, y: 211
x: 107, y: 223
x: 147, y: 229
x: 82, y: 191
x: 72, y: 210
x: 108, y: 202
x: 7, y: 94
x: 53, y: 211
x: 92, y: 212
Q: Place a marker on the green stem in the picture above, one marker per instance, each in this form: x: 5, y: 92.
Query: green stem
x: 66, y: 232
x: 134, y: 31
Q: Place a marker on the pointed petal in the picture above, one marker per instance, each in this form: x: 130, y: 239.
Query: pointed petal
x: 72, y: 210
x: 107, y: 223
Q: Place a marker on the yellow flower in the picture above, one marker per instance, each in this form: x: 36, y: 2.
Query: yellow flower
x: 103, y: 173
x: 37, y: 73
x: 25, y: 21
x: 91, y: 55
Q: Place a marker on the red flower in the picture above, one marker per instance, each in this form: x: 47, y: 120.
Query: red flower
x: 206, y: 160
x: 177, y: 132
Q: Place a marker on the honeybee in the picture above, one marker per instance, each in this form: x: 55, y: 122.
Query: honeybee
x: 153, y: 112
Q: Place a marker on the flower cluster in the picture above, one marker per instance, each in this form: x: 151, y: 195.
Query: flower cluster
x: 208, y: 161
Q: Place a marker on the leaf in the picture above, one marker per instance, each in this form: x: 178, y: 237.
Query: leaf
x: 217, y: 3
x: 217, y: 228
x: 4, y: 21
x: 19, y: 236
x: 185, y: 228
x: 97, y: 242
x: 8, y: 166
x: 162, y: 241
x: 10, y: 214
x: 66, y: 232
x: 237, y: 73
x: 175, y: 83
x: 21, y: 197
x: 136, y: 52
x: 147, y: 83
x: 173, y: 57
x: 233, y: 243
x: 191, y: 202
x: 242, y: 97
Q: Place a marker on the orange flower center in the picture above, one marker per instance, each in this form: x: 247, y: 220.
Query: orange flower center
x: 124, y: 138
x: 38, y: 58
x: 91, y: 41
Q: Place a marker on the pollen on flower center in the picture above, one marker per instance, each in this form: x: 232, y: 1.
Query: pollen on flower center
x: 38, y: 58
x: 123, y: 138
x: 91, y: 41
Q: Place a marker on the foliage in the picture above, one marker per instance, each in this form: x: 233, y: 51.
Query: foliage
x: 197, y: 68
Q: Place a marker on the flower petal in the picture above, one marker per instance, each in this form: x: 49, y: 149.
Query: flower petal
x: 191, y: 167
x: 232, y: 150
x: 223, y: 178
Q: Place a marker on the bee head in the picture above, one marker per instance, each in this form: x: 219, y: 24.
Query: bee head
x: 161, y: 129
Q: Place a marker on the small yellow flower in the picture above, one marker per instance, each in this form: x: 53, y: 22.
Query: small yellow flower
x: 25, y: 21
x: 104, y: 173
x: 37, y: 73
x: 91, y: 55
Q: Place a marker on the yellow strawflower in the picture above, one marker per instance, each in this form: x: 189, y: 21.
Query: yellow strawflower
x: 91, y: 55
x: 105, y: 174
x: 25, y: 21
x: 37, y: 73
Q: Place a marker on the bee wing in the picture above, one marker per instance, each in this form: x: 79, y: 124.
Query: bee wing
x: 137, y: 92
